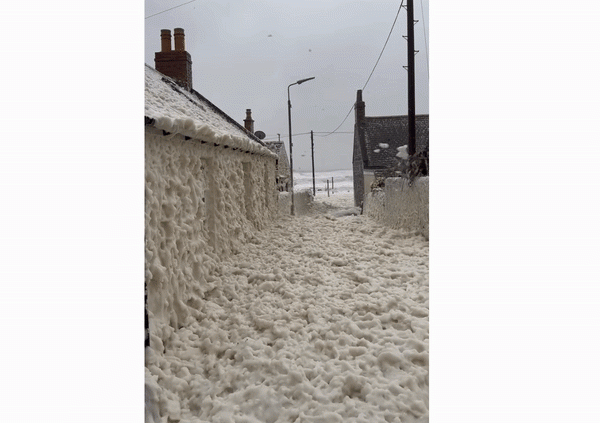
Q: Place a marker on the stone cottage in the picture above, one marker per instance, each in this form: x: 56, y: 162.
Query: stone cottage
x: 376, y: 139
x: 210, y: 185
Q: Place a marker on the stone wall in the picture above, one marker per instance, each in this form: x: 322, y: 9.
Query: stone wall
x: 401, y: 205
x: 202, y: 202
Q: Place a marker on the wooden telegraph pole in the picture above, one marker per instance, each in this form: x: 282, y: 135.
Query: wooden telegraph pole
x: 410, y: 25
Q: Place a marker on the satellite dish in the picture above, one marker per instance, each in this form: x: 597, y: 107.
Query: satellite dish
x: 260, y: 135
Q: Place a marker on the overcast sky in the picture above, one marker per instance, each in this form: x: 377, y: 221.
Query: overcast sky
x: 514, y: 206
x: 246, y: 53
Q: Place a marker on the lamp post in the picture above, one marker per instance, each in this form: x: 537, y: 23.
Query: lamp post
x: 290, y: 128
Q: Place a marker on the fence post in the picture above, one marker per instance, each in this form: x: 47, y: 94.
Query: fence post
x: 312, y: 150
x: 328, y: 187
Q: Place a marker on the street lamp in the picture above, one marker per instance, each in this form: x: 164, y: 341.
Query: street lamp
x: 290, y: 127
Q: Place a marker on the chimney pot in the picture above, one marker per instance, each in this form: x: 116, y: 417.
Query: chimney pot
x: 177, y: 63
x: 249, y: 122
x: 165, y: 38
x: 179, y: 39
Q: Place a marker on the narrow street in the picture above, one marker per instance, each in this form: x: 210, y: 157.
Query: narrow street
x: 321, y: 318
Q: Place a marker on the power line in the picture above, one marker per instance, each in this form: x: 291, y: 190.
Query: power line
x: 328, y: 133
x: 170, y: 9
x: 293, y: 135
x: 386, y: 41
x: 352, y: 107
x: 425, y: 36
x: 376, y: 63
x: 307, y: 133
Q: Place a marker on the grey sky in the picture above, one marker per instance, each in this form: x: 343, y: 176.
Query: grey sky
x: 246, y: 53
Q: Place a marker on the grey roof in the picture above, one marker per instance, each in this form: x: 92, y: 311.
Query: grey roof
x: 393, y: 131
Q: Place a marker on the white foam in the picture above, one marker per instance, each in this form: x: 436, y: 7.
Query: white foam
x: 318, y: 318
x: 179, y: 111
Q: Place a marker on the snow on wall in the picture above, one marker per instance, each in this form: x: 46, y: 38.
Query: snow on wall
x: 285, y: 202
x: 374, y: 205
x: 202, y: 202
x: 318, y: 319
x: 303, y: 200
x: 401, y: 205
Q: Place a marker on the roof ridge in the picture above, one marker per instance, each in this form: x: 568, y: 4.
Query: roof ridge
x: 195, y: 93
x: 174, y: 109
x: 397, y: 116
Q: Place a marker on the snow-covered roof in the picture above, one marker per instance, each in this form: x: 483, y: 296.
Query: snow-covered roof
x: 278, y: 148
x: 173, y: 109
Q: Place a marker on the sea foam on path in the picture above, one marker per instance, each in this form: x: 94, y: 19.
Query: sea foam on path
x: 320, y: 318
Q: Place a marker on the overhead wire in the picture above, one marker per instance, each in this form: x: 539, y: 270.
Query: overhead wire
x: 371, y: 74
x: 170, y: 9
x: 335, y: 130
x: 425, y: 36
x: 386, y: 41
x: 272, y: 138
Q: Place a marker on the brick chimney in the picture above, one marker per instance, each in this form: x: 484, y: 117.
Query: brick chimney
x: 359, y: 107
x: 177, y: 63
x: 249, y: 122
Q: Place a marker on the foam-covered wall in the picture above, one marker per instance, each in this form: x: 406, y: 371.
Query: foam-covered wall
x: 201, y: 203
x: 303, y: 201
x: 401, y: 205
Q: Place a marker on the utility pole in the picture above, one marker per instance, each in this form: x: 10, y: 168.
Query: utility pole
x: 410, y: 24
x: 312, y: 150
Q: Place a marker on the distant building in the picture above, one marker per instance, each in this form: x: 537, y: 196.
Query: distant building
x: 282, y: 165
x: 376, y: 139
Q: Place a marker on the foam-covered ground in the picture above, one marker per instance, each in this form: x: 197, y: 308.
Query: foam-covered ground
x: 321, y: 318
